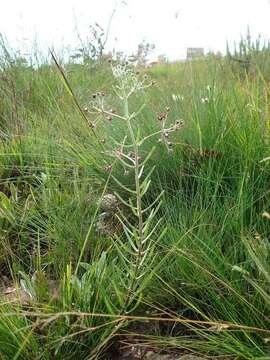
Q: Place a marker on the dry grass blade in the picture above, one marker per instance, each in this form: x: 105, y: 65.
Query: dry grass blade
x: 72, y: 95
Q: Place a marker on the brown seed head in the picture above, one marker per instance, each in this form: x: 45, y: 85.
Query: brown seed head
x: 179, y: 124
x: 162, y: 116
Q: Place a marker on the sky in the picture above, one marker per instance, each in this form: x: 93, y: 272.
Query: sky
x: 172, y: 25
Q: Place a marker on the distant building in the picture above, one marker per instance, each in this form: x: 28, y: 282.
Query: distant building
x: 195, y: 53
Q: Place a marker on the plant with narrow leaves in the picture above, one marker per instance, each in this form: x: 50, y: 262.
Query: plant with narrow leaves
x: 143, y: 230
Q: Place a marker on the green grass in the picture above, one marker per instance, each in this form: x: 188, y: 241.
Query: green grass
x: 204, y: 285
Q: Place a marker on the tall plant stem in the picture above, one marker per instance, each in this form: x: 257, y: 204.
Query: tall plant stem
x: 138, y: 201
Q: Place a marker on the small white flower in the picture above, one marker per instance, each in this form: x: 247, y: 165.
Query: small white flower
x: 177, y: 97
x: 205, y: 100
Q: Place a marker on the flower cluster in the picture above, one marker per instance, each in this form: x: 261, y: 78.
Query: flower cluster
x: 128, y: 81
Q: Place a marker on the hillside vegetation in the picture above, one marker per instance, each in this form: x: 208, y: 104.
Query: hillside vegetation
x: 134, y: 207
